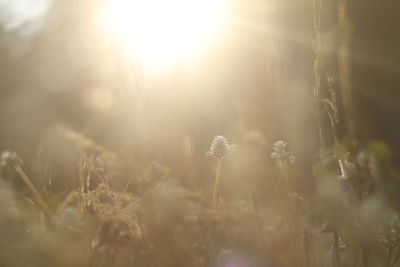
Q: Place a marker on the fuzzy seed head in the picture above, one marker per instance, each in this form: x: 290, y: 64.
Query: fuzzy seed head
x: 9, y: 158
x: 279, y: 152
x: 219, y: 147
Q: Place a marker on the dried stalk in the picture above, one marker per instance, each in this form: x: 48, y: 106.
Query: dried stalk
x: 317, y: 76
x: 344, y: 71
x: 38, y: 197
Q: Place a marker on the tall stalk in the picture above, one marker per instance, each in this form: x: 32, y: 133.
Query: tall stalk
x: 216, y: 182
x: 219, y: 150
x: 336, y: 252
x: 283, y: 158
x: 318, y: 109
x: 344, y: 70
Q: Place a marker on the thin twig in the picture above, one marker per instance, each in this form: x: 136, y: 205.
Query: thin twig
x: 35, y: 192
x: 127, y: 185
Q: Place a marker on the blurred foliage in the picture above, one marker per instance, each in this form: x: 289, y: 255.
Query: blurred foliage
x: 104, y: 164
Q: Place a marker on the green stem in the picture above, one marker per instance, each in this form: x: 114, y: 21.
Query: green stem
x: 216, y: 182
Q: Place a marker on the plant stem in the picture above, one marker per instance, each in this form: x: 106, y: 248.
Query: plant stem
x: 286, y: 178
x: 357, y: 252
x: 344, y: 71
x: 306, y: 247
x: 336, y: 253
x: 303, y: 240
x: 317, y: 74
x: 32, y: 188
x: 216, y: 182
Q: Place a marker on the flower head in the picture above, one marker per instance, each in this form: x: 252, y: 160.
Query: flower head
x: 219, y: 147
x: 280, y: 153
x: 9, y: 158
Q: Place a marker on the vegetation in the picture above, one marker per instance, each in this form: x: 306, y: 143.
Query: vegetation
x: 149, y: 189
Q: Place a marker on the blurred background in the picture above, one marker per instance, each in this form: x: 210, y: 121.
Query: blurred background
x: 60, y: 67
x: 69, y: 79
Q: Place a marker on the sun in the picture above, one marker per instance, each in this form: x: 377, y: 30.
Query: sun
x: 161, y: 33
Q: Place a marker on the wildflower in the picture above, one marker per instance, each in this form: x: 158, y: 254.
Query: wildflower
x: 279, y: 152
x: 9, y: 158
x: 219, y: 147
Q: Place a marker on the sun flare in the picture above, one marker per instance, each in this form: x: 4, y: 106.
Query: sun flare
x: 160, y: 33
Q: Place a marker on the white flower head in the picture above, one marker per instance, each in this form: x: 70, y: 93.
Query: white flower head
x: 9, y: 158
x: 280, y: 154
x: 219, y: 147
